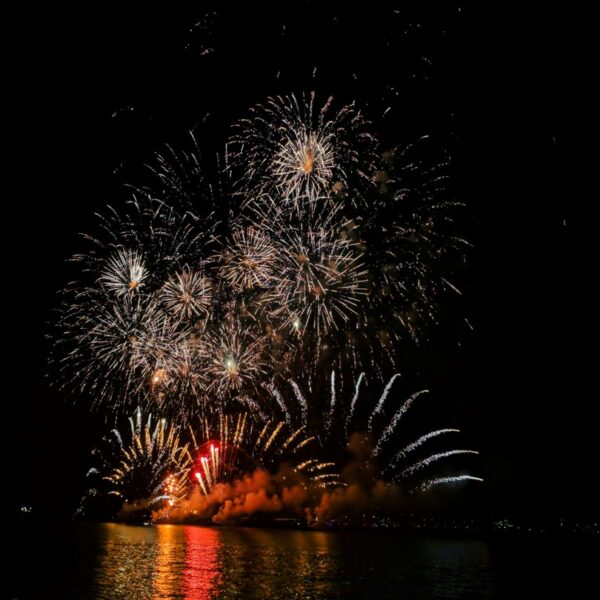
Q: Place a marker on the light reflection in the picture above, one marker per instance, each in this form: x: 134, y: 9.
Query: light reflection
x: 170, y: 554
x: 166, y: 561
x: 201, y: 574
x: 176, y: 561
x: 125, y: 563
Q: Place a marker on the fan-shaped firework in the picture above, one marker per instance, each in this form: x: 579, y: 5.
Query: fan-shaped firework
x: 343, y: 421
x: 300, y: 151
x: 145, y: 464
x: 230, y: 446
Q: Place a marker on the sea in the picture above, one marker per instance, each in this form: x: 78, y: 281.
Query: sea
x: 186, y: 561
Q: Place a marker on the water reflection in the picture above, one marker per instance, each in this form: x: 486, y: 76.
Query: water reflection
x: 170, y: 558
x: 201, y: 574
x: 171, y: 561
x: 126, y: 562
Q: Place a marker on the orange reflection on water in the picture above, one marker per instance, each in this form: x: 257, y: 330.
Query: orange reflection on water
x: 202, y: 572
x: 170, y: 551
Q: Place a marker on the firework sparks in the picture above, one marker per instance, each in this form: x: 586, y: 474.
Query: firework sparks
x: 343, y: 420
x: 188, y: 295
x: 124, y: 272
x: 324, y: 280
x: 249, y: 259
x: 125, y: 323
x: 232, y: 445
x: 148, y: 463
x: 302, y: 151
x: 303, y: 278
x: 236, y: 357
x: 427, y: 485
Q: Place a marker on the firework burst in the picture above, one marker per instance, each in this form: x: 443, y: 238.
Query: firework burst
x: 319, y: 280
x: 124, y: 272
x: 249, y: 259
x: 302, y: 152
x: 323, y: 282
x: 125, y: 322
x: 237, y: 357
x: 411, y: 240
x: 188, y: 295
x: 148, y: 236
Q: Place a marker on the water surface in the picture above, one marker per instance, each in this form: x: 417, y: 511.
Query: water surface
x: 172, y: 561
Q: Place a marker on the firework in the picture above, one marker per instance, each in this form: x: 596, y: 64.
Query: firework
x: 124, y: 350
x: 412, y: 243
x: 249, y: 259
x: 324, y: 280
x: 177, y: 178
x: 323, y: 264
x: 124, y: 272
x: 237, y: 357
x: 188, y: 295
x: 126, y: 322
x: 158, y: 235
x: 427, y: 485
x: 146, y: 464
x: 319, y: 279
x: 228, y: 446
x: 303, y: 152
x: 377, y: 428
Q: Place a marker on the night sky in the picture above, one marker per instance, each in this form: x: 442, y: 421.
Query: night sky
x: 93, y: 92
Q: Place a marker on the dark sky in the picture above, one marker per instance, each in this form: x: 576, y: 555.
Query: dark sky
x: 93, y: 91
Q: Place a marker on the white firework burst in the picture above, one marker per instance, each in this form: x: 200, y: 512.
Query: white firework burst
x: 188, y: 295
x: 302, y: 151
x: 236, y: 357
x: 305, y: 164
x: 249, y: 259
x: 324, y: 279
x: 124, y: 272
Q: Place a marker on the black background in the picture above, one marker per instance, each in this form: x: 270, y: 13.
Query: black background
x: 93, y: 91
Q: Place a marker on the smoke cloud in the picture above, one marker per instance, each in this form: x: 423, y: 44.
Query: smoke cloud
x: 288, y: 493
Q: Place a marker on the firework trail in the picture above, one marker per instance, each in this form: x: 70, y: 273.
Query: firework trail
x: 427, y: 485
x: 378, y: 427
